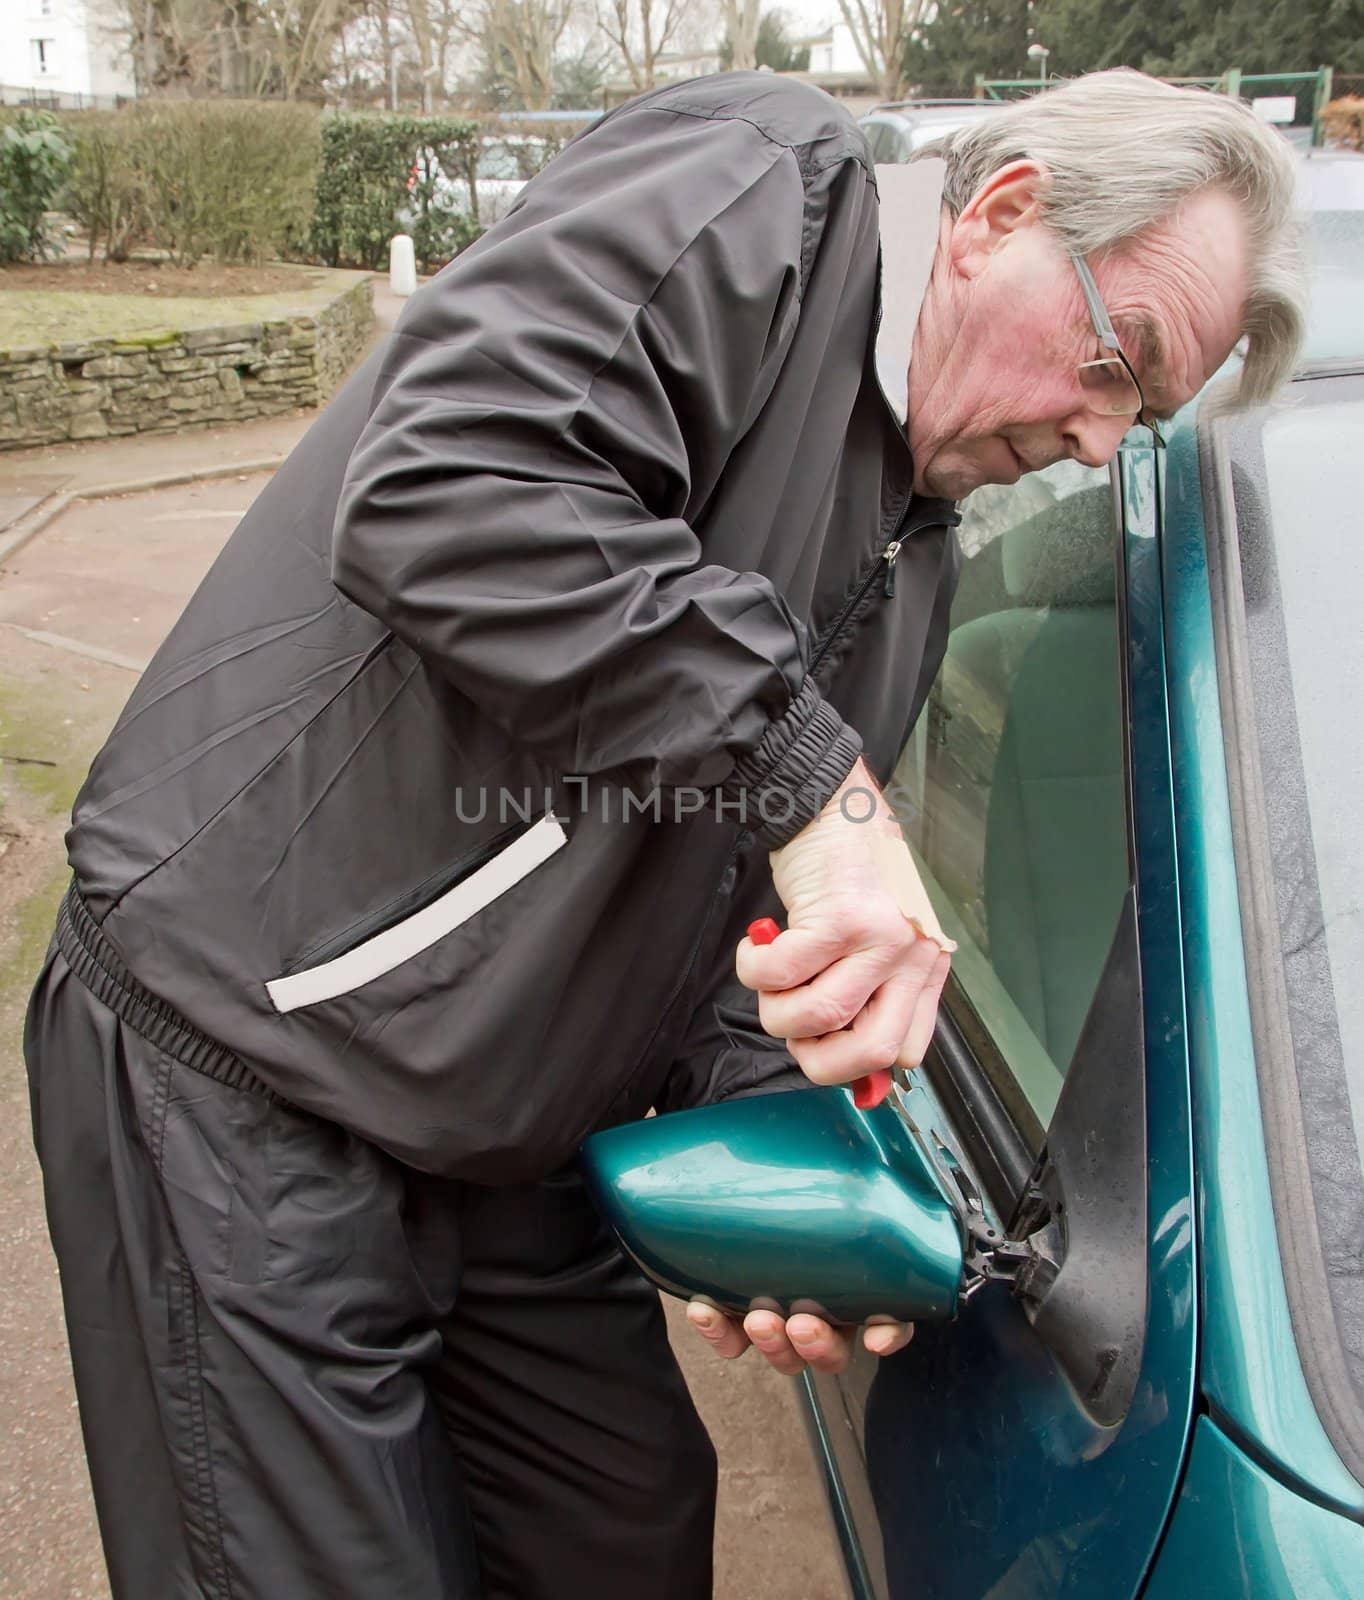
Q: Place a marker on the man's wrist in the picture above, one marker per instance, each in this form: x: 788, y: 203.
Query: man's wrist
x: 859, y: 799
x: 901, y: 877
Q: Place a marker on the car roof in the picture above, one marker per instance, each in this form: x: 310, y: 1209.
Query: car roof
x: 929, y: 110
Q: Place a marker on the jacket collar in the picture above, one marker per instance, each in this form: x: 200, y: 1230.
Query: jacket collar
x: 911, y: 199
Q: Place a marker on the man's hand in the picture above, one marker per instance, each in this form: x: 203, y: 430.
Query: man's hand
x: 852, y: 983
x: 793, y: 1343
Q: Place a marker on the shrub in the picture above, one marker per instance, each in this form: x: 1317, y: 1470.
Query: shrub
x: 439, y: 229
x: 384, y: 175
x: 232, y: 179
x: 34, y: 156
x: 239, y: 180
x: 106, y: 192
x: 1343, y: 122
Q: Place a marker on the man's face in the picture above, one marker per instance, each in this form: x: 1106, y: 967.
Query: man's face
x: 994, y: 390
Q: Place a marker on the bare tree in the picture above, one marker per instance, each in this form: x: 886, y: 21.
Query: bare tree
x: 399, y: 47
x: 447, y: 30
x: 282, y: 48
x: 881, y: 30
x: 741, y: 18
x: 176, y: 45
x: 432, y: 24
x: 523, y: 36
x: 300, y: 38
x: 641, y: 30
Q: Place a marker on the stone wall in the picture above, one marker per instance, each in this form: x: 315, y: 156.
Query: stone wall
x: 104, y: 387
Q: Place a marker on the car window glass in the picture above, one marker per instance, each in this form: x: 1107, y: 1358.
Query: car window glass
x: 1294, y: 471
x: 931, y: 129
x: 1312, y: 460
x: 1011, y: 790
x: 881, y: 141
x: 498, y: 164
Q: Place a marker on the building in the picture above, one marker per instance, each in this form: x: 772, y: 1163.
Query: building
x: 669, y: 66
x: 64, y: 53
x: 834, y: 53
x: 837, y: 67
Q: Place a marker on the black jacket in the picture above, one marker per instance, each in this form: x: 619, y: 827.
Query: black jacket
x: 606, y: 518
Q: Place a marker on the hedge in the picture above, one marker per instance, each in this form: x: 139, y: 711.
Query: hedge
x: 242, y: 180
x: 230, y: 179
x: 381, y: 175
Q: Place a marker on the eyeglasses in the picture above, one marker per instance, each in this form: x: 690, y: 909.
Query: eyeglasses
x: 1111, y: 387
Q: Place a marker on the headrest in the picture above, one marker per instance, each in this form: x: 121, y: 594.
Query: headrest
x: 1064, y: 554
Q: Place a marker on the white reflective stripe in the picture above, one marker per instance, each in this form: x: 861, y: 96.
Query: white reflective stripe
x: 414, y: 934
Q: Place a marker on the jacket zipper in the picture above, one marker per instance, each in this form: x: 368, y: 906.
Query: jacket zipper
x: 885, y: 560
x: 888, y: 555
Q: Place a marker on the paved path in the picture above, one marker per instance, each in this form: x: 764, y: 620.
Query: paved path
x: 82, y: 607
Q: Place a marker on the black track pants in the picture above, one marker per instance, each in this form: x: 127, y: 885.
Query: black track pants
x: 306, y: 1372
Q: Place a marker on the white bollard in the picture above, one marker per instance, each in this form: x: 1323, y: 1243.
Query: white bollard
x: 402, y: 265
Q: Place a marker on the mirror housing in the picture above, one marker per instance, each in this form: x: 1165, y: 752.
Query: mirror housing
x: 794, y: 1201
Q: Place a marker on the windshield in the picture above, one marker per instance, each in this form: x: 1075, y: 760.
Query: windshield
x: 1294, y: 473
x: 931, y: 128
x: 1312, y: 457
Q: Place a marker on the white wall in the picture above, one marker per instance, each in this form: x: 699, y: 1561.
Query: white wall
x: 62, y: 47
x: 111, y: 62
x: 839, y: 55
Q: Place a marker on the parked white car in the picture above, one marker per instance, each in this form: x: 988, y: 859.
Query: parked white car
x: 505, y: 165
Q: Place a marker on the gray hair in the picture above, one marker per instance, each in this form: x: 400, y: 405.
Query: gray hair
x: 1121, y: 151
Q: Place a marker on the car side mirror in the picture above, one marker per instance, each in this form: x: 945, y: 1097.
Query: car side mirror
x: 795, y: 1201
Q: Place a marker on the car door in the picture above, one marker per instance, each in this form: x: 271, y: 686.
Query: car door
x: 1032, y: 1446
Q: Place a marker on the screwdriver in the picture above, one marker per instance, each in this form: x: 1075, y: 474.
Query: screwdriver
x: 866, y: 1092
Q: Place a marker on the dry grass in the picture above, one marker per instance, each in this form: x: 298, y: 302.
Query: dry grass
x: 37, y: 318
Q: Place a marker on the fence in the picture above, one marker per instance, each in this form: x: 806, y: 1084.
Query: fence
x: 59, y: 99
x: 1309, y: 90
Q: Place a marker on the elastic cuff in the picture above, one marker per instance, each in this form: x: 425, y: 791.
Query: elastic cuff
x: 800, y: 762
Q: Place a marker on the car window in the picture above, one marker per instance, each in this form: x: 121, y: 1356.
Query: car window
x: 498, y: 164
x: 1312, y: 459
x: 1011, y: 791
x: 1293, y: 471
x: 881, y: 141
x: 933, y: 128
x: 1303, y: 575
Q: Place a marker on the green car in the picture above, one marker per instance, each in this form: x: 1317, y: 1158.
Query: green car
x: 1123, y: 1200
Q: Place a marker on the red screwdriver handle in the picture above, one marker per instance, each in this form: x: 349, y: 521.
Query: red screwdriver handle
x: 867, y: 1092
x: 870, y: 1091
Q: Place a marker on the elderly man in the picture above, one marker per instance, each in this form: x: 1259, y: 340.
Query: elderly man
x: 426, y: 844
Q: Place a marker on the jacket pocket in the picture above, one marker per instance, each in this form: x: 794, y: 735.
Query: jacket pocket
x: 407, y: 935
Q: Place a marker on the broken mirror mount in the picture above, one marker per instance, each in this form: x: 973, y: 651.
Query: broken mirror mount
x: 1027, y: 1255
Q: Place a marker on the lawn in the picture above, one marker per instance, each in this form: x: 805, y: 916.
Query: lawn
x: 37, y: 317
